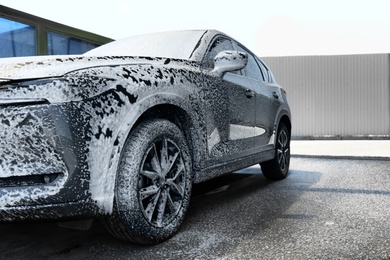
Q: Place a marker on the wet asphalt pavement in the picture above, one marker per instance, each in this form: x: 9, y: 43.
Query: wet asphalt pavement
x: 325, y: 209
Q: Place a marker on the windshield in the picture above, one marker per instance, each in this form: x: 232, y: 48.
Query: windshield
x: 178, y: 45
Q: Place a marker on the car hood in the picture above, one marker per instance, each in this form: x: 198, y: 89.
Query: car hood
x: 55, y: 66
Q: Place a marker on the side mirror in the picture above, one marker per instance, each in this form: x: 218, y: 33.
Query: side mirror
x: 229, y: 61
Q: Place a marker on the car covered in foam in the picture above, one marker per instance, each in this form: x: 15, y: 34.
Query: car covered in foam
x: 122, y: 132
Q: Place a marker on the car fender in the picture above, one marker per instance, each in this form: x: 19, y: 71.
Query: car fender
x: 106, y: 154
x: 283, y: 112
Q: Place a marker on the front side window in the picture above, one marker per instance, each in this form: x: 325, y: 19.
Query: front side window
x: 59, y: 44
x: 16, y: 39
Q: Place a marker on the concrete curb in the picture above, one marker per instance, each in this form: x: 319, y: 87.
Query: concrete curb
x: 342, y: 157
x: 342, y: 149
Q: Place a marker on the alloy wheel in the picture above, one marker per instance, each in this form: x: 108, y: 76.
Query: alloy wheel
x: 283, y: 150
x: 161, y: 184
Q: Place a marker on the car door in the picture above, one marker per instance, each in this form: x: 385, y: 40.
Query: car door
x: 230, y: 110
x: 267, y: 99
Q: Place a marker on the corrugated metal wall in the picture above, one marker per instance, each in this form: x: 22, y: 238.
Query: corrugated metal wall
x: 336, y: 96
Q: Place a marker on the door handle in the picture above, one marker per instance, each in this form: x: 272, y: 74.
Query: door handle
x: 275, y: 95
x: 249, y: 93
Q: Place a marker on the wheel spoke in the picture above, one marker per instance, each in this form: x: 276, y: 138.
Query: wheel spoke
x: 152, y: 206
x: 282, y: 161
x: 164, y: 156
x: 155, y: 162
x: 171, y: 162
x: 149, y: 174
x: 148, y: 191
x: 281, y: 155
x: 179, y: 169
x: 161, y: 206
x: 284, y: 139
x: 280, y: 142
x: 173, y: 207
x: 177, y: 189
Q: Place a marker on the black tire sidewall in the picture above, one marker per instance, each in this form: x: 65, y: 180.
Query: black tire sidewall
x: 285, y: 172
x: 272, y: 169
x: 126, y: 195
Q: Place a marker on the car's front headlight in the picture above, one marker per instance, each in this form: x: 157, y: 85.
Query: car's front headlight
x: 23, y: 101
x: 40, y: 91
x: 49, y: 90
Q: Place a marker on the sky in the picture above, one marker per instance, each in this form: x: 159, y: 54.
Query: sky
x: 267, y: 27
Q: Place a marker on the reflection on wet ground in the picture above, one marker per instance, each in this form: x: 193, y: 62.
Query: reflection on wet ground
x: 223, y: 182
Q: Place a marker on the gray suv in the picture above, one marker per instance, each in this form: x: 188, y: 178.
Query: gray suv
x: 122, y: 132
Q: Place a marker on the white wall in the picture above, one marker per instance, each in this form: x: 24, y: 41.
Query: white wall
x: 336, y: 96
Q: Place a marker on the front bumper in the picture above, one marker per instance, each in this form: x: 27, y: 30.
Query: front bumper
x: 43, y: 168
x: 61, y: 211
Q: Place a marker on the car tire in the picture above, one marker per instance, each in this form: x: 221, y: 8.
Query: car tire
x: 277, y: 168
x: 153, y: 186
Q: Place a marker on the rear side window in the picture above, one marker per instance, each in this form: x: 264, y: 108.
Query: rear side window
x: 266, y: 72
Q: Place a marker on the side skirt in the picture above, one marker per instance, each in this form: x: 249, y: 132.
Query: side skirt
x: 233, y: 165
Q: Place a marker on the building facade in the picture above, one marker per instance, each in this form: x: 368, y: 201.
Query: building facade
x: 336, y: 97
x: 22, y: 34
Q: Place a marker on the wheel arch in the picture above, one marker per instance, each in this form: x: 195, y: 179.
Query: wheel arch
x: 177, y: 109
x: 287, y: 122
x: 278, y: 167
x: 181, y: 118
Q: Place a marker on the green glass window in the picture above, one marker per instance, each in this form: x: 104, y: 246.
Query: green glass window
x: 16, y: 39
x: 59, y: 44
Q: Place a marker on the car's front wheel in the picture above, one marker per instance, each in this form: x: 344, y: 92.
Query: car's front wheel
x: 277, y: 168
x: 153, y: 186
